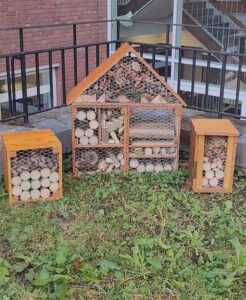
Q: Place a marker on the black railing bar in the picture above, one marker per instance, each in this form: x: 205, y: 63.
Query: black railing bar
x: 141, y: 50
x: 207, y: 78
x: 193, y: 76
x: 97, y: 55
x: 57, y: 25
x: 168, y: 34
x: 86, y: 61
x: 56, y: 49
x: 50, y: 58
x: 32, y: 113
x: 75, y: 61
x: 118, y: 34
x: 13, y: 84
x: 178, y: 25
x: 107, y: 50
x: 24, y: 88
x: 47, y: 109
x: 63, y: 62
x: 202, y: 109
x: 234, y: 116
x: 153, y: 60
x: 38, y: 80
x: 239, y: 73
x: 115, y: 20
x: 179, y: 72
x: 161, y: 46
x: 21, y: 39
x: 12, y: 118
x: 166, y: 64
x: 9, y: 86
x: 222, y: 86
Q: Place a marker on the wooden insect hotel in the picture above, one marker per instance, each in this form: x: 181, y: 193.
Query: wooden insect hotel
x: 125, y: 117
x: 32, y: 165
x: 212, y: 155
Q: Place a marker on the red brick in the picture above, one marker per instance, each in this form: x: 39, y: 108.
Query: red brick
x: 25, y: 12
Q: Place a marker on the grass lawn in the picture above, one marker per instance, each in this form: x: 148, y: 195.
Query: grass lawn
x: 126, y: 236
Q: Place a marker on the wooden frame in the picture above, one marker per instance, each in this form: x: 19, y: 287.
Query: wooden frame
x: 200, y: 129
x: 126, y: 146
x: 104, y: 88
x: 36, y: 140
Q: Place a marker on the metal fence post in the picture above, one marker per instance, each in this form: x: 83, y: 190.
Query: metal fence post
x: 75, y: 61
x: 118, y: 34
x: 24, y: 87
x: 222, y: 87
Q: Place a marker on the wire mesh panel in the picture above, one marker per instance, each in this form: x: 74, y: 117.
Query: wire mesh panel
x: 94, y: 160
x: 134, y: 109
x: 155, y: 165
x: 130, y: 80
x: 86, y: 124
x: 112, y: 126
x: 153, y: 126
x: 155, y: 151
x: 35, y: 174
x: 214, y: 161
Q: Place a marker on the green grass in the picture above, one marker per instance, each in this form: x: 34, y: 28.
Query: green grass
x: 125, y: 236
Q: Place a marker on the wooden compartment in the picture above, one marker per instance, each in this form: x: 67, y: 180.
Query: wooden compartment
x: 32, y: 166
x: 124, y: 105
x: 212, y: 155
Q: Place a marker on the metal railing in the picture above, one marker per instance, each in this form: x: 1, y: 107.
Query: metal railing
x: 200, y: 78
x: 217, y: 24
x: 123, y: 2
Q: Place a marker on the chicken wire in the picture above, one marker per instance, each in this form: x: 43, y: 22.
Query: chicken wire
x: 112, y: 126
x: 131, y: 78
x: 153, y: 126
x: 95, y: 160
x: 86, y: 124
x: 159, y: 151
x: 214, y: 160
x: 99, y: 126
x: 155, y: 165
x: 34, y: 174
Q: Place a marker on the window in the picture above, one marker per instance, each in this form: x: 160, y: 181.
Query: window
x: 33, y: 104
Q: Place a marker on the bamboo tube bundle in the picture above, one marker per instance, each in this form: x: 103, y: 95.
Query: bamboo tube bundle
x: 35, y: 174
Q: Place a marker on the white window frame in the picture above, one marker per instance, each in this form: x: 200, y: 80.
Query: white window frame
x: 44, y: 89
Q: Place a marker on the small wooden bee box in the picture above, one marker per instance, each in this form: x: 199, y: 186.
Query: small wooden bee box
x: 32, y: 165
x: 213, y: 146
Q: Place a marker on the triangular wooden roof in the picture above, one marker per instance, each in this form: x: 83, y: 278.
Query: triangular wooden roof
x: 106, y: 66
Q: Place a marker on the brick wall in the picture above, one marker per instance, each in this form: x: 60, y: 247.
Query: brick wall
x: 25, y: 12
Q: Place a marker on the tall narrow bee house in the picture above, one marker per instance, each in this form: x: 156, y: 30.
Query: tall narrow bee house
x: 32, y: 165
x: 125, y: 117
x: 212, y: 155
